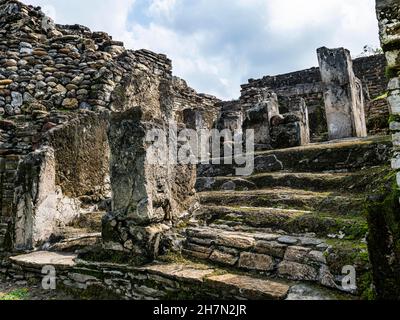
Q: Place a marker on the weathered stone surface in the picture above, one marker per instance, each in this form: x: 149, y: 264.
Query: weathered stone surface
x: 293, y: 128
x: 40, y: 204
x: 272, y: 248
x: 317, y: 256
x: 297, y: 271
x: 297, y: 254
x: 70, y: 103
x: 39, y: 259
x: 224, y: 258
x: 269, y: 163
x: 181, y: 272
x: 253, y: 261
x: 258, y: 117
x: 235, y: 241
x: 288, y: 240
x: 344, y: 108
x: 250, y: 288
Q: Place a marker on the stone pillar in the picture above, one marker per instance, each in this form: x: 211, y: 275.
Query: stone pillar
x: 258, y: 117
x: 304, y: 123
x: 149, y: 194
x: 344, y: 102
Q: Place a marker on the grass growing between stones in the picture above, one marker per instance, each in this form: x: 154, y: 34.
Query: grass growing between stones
x: 18, y: 294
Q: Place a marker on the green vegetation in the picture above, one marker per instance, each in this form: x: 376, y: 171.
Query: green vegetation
x: 19, y: 294
x: 383, y: 211
x: 381, y: 97
x: 394, y: 118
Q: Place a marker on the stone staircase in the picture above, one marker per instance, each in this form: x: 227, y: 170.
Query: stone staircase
x: 180, y: 280
x: 285, y: 232
x: 299, y: 217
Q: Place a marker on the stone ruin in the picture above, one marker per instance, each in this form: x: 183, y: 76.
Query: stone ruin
x: 76, y: 109
x: 344, y: 99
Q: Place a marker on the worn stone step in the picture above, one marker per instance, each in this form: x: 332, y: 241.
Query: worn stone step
x: 39, y: 259
x: 162, y: 280
x: 227, y: 285
x: 289, y: 220
x: 287, y: 198
x: 348, y: 154
x: 350, y: 181
x: 205, y: 278
x: 300, y: 257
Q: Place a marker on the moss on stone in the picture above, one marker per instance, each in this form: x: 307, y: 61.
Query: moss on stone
x: 391, y: 72
x: 394, y: 118
x: 383, y: 210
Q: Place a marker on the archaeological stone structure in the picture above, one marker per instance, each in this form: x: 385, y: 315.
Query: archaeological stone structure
x: 81, y: 188
x: 344, y: 99
x: 307, y: 84
x: 384, y: 210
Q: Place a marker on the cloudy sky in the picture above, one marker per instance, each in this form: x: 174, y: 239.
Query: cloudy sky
x: 216, y: 45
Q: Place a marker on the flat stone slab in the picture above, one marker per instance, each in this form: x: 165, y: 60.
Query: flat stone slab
x: 45, y: 258
x: 191, y: 273
x: 250, y: 288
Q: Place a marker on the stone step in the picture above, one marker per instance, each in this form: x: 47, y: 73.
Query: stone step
x: 228, y: 285
x: 286, y: 198
x: 348, y: 154
x: 292, y: 221
x: 204, y: 278
x: 299, y: 257
x: 161, y: 280
x: 351, y: 181
x: 38, y: 259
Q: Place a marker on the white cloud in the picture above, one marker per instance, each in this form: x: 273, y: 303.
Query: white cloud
x: 217, y: 45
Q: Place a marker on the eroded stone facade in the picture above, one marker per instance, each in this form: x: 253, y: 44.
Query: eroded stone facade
x: 60, y: 88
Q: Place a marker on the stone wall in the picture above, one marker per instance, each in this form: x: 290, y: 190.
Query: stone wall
x: 308, y: 85
x: 197, y: 111
x: 59, y: 86
x: 384, y: 207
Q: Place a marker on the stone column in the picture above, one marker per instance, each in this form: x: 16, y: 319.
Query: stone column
x: 258, y: 117
x: 150, y: 192
x: 344, y: 102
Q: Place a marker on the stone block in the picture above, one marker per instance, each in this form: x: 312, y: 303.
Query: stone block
x: 253, y: 261
x: 394, y: 84
x: 297, y: 271
x: 396, y: 139
x: 223, y: 258
x: 297, y: 254
x: 395, y: 126
x: 394, y: 102
x: 317, y: 256
x: 396, y: 162
x: 272, y: 248
x: 393, y: 58
x: 235, y: 241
